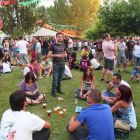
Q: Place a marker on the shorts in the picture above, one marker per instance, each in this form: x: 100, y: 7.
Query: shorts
x: 23, y: 56
x: 45, y: 51
x: 132, y: 76
x: 121, y: 59
x: 108, y: 63
x: 129, y: 55
x: 38, y: 57
x: 100, y: 54
x: 33, y: 55
x: 5, y: 50
x: 34, y: 96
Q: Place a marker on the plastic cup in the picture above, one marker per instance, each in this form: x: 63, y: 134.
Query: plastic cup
x: 49, y: 113
x: 61, y: 114
x: 76, y: 101
x: 59, y: 99
x: 64, y: 108
x: 44, y: 105
x: 43, y: 75
x: 55, y: 110
x: 58, y: 109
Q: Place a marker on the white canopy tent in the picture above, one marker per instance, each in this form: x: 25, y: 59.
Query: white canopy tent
x: 2, y: 36
x: 41, y: 32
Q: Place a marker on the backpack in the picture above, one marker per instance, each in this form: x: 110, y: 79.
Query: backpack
x: 70, y: 62
x: 84, y: 63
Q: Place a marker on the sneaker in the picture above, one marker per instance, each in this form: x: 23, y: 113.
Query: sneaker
x: 54, y: 95
x: 119, y: 71
x: 60, y: 92
x: 102, y: 79
x: 40, y: 77
x: 131, y: 81
x: 107, y: 82
x: 126, y: 71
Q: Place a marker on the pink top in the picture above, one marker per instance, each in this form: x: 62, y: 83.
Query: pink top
x: 35, y: 68
x: 107, y: 49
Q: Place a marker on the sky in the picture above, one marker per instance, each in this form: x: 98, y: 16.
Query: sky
x: 46, y: 3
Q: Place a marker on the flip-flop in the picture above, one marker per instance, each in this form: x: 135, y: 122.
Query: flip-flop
x: 43, y: 101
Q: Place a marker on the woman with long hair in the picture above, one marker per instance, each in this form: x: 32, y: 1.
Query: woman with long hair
x: 87, y: 83
x: 122, y: 105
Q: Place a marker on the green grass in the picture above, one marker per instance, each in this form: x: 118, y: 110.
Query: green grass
x: 10, y: 83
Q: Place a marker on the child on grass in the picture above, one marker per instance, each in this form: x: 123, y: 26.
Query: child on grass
x: 136, y: 74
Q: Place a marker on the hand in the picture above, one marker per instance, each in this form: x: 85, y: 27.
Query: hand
x: 32, y: 68
x: 84, y: 96
x: 34, y: 92
x: 103, y: 97
x: 60, y: 55
x: 81, y: 95
x: 44, y: 69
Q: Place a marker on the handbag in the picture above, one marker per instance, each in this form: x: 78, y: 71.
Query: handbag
x: 121, y: 129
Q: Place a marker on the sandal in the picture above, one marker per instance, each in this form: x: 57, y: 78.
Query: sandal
x: 43, y: 101
x: 32, y: 104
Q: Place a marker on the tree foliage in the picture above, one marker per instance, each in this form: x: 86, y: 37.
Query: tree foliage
x: 74, y: 12
x: 18, y: 20
x: 118, y: 17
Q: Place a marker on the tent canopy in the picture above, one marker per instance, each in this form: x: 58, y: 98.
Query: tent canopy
x: 44, y: 32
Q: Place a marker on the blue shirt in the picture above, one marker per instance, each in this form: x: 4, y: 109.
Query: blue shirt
x: 99, y: 121
x: 38, y: 45
x: 135, y: 72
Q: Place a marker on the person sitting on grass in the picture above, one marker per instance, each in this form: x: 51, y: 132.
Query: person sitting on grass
x: 33, y: 66
x: 67, y: 73
x: 17, y: 124
x: 31, y: 88
x: 6, y: 66
x: 87, y: 83
x: 122, y: 105
x: 94, y: 63
x: 136, y: 74
x: 17, y: 63
x: 46, y: 67
x: 72, y: 61
x: 98, y: 118
x: 8, y: 57
x: 84, y: 63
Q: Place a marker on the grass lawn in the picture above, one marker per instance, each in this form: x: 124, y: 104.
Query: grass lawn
x: 10, y: 83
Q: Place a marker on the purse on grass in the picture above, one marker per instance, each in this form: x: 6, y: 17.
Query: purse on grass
x: 121, y: 129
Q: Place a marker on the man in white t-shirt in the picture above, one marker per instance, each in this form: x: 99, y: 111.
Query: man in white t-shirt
x: 17, y: 124
x: 116, y: 81
x: 21, y: 45
x: 70, y: 45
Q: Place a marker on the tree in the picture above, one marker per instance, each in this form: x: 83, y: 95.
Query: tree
x: 18, y: 20
x: 118, y: 17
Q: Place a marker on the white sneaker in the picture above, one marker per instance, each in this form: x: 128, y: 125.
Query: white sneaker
x: 40, y: 77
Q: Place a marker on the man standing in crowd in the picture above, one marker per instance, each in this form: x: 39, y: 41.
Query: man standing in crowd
x: 98, y: 118
x: 17, y: 124
x: 121, y: 54
x: 38, y: 51
x: 52, y: 40
x: 116, y: 81
x: 21, y: 45
x: 108, y: 50
x: 45, y: 47
x: 13, y: 46
x: 70, y: 45
x: 58, y: 53
x: 33, y: 47
x: 129, y: 53
x: 99, y: 51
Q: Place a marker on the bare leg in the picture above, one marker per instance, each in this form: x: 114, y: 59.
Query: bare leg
x: 40, y: 72
x: 124, y: 66
x: 23, y: 66
x: 118, y: 66
x: 103, y: 73
x: 132, y: 62
x: 41, y: 97
x: 50, y: 69
x: 108, y: 74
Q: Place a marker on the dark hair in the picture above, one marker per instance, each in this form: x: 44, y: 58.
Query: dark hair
x: 138, y: 68
x: 138, y: 42
x: 84, y: 73
x: 29, y: 75
x: 130, y: 38
x: 5, y: 60
x: 84, y: 57
x: 73, y: 55
x: 20, y: 37
x: 17, y: 100
x: 90, y: 56
x: 121, y: 37
x: 106, y: 35
x: 37, y: 38
x: 118, y: 76
x: 3, y: 41
x: 58, y: 34
x: 33, y: 59
x: 95, y: 94
x: 9, y: 58
x: 126, y: 93
x: 45, y: 58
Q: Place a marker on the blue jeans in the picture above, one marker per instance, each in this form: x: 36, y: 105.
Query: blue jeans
x: 78, y: 92
x: 14, y: 54
x: 58, y: 72
x: 136, y: 62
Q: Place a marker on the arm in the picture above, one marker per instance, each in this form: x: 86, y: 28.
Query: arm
x: 136, y: 77
x: 36, y: 87
x: 73, y: 124
x: 48, y: 66
x: 133, y: 51
x: 28, y: 65
x: 117, y: 105
x: 110, y: 87
x: 47, y: 125
x: 55, y: 55
x: 111, y: 100
x: 37, y: 50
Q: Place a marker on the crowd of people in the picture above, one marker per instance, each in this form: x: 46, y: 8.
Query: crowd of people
x: 119, y: 108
